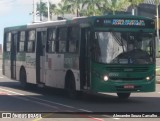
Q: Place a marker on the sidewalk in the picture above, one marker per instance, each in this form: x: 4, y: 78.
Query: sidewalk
x: 158, y: 79
x: 158, y: 70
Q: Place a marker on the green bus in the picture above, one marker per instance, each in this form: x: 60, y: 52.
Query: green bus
x: 112, y: 53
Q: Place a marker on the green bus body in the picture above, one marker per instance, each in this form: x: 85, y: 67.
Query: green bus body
x: 120, y: 75
x: 96, y: 71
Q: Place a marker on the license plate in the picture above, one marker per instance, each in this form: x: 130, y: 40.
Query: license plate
x: 129, y: 86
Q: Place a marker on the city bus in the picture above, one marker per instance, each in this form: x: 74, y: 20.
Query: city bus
x: 97, y: 54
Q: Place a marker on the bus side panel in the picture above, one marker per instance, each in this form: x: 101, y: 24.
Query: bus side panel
x: 71, y: 62
x: 18, y: 70
x: 20, y: 62
x: 31, y: 68
x: 55, y: 73
x: 77, y: 79
x: 7, y: 64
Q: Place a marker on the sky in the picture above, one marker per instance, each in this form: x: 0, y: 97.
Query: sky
x: 16, y: 12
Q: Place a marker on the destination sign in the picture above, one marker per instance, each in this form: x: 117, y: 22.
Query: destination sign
x: 127, y: 22
x: 105, y: 22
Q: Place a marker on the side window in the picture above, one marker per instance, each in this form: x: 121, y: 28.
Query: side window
x: 51, y: 40
x: 62, y: 39
x: 8, y: 42
x: 73, y: 39
x: 31, y: 41
x: 22, y: 41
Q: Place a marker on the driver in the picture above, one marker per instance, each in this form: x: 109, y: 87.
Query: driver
x: 130, y: 47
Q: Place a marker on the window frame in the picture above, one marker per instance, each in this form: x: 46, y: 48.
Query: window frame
x: 20, y: 41
x: 7, y: 42
x: 77, y: 38
x: 52, y: 40
x: 58, y: 39
x: 29, y: 41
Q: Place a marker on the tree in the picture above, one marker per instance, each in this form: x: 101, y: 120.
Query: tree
x: 42, y: 9
x: 52, y: 9
x: 135, y: 3
x: 115, y: 5
x: 92, y: 7
x: 61, y: 9
x: 73, y: 6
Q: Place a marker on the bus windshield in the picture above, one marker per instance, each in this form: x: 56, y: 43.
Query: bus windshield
x: 123, y: 47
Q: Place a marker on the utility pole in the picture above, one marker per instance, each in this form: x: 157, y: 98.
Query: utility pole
x: 48, y: 10
x: 34, y: 12
x: 40, y: 11
x: 157, y: 19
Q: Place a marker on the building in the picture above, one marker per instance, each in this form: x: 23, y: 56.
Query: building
x: 147, y: 8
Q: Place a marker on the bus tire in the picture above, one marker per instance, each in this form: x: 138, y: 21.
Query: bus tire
x: 23, y: 78
x: 70, y: 86
x: 123, y: 95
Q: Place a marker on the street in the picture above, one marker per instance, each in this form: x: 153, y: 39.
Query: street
x: 47, y: 103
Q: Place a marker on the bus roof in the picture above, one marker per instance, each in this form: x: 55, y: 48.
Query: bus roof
x: 46, y: 24
x: 14, y: 28
x: 71, y: 21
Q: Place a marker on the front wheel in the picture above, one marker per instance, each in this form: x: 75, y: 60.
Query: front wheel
x: 123, y: 95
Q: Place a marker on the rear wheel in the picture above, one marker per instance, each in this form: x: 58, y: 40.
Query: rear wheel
x: 70, y: 86
x: 23, y: 79
x: 123, y: 95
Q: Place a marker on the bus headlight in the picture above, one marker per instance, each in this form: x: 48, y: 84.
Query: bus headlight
x: 105, y: 78
x: 148, y: 78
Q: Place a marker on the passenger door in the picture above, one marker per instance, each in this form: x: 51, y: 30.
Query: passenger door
x: 40, y: 55
x: 13, y: 54
x: 85, y: 58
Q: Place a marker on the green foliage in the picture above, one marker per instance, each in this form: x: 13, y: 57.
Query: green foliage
x: 42, y: 9
x: 73, y: 6
x: 52, y: 9
x: 61, y: 9
x: 135, y: 2
x: 92, y: 7
x: 86, y: 7
x: 116, y: 5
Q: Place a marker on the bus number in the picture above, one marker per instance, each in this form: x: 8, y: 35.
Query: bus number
x: 113, y: 74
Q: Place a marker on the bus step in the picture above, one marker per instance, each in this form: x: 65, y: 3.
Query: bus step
x: 41, y: 85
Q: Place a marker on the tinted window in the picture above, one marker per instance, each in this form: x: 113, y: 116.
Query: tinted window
x: 62, y: 39
x: 22, y: 41
x: 73, y: 39
x: 51, y: 40
x: 31, y: 41
x: 8, y: 42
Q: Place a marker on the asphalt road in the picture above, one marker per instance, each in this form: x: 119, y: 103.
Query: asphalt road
x: 18, y: 102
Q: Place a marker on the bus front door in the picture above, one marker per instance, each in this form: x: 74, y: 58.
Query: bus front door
x: 40, y: 56
x: 84, y: 58
x: 13, y: 55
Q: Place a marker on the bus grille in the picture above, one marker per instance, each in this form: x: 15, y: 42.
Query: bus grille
x: 127, y: 69
x: 125, y: 79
